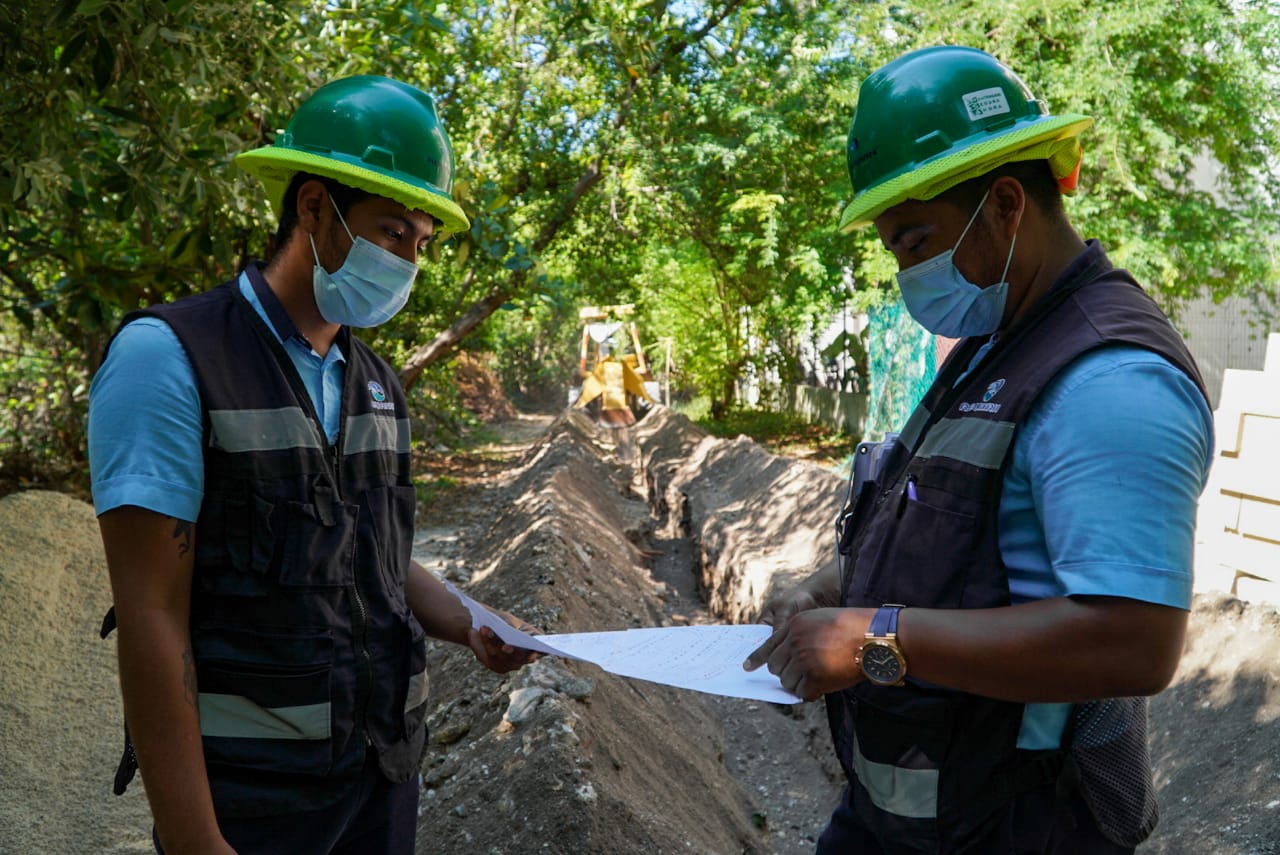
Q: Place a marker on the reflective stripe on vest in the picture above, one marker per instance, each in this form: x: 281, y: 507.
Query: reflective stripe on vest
x: 261, y: 430
x: 375, y: 432
x: 904, y: 792
x: 915, y: 424
x: 978, y: 442
x: 237, y: 717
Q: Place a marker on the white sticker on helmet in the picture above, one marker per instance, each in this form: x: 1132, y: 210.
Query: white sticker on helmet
x: 985, y: 103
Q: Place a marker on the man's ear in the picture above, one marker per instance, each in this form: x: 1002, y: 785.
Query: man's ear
x: 1010, y: 201
x: 312, y: 198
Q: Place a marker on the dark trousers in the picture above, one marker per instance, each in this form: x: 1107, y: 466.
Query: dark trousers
x: 1040, y: 824
x: 377, y: 818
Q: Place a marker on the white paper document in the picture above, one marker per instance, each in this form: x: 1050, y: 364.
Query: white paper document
x: 703, y: 658
x: 480, y: 616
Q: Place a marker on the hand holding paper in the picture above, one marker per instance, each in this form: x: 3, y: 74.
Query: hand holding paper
x: 702, y: 658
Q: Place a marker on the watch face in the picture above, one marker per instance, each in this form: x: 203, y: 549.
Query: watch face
x: 881, y: 664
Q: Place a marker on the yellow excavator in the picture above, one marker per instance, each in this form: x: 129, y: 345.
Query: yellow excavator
x: 617, y: 387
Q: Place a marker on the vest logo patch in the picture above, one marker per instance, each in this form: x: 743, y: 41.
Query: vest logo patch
x: 379, y: 396
x: 985, y: 406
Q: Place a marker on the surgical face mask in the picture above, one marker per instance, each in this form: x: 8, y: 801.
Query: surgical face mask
x: 945, y: 303
x: 368, y: 289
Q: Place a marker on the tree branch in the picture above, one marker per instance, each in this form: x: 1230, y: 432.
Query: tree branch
x: 446, y: 341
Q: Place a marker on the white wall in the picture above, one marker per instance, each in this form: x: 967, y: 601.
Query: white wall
x: 1232, y: 334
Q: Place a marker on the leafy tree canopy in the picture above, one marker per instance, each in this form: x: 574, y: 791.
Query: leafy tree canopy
x: 688, y: 157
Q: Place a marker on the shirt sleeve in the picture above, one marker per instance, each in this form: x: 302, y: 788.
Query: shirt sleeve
x: 1117, y: 452
x: 145, y: 425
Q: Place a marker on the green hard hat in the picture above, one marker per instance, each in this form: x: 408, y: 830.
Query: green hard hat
x: 938, y: 116
x: 373, y: 133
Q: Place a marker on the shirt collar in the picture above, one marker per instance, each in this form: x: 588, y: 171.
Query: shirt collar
x: 276, y: 314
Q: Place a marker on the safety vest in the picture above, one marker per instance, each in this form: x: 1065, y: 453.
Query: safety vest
x: 306, y: 652
x: 939, y: 769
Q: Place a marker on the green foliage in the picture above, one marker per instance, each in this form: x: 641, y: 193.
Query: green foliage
x: 120, y: 120
x: 427, y: 488
x: 537, y: 352
x: 437, y: 417
x: 118, y: 124
x: 1178, y: 89
x: 782, y: 433
x: 44, y: 406
x: 687, y: 158
x: 696, y: 408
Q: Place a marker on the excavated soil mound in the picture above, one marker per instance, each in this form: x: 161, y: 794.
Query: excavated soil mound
x: 761, y: 522
x: 61, y: 730
x: 560, y: 757
x: 479, y: 390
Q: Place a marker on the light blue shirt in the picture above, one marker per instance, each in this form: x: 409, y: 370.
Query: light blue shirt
x: 145, y: 431
x: 1113, y: 455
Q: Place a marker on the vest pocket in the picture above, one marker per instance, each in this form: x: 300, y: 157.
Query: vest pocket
x: 416, y: 694
x: 235, y: 545
x: 319, y: 544
x: 266, y: 699
x: 900, y: 558
x: 389, y: 515
x: 897, y: 751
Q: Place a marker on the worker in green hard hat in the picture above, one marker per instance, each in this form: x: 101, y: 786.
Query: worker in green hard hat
x: 1015, y: 577
x: 250, y: 467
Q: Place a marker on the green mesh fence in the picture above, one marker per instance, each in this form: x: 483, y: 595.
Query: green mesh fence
x: 902, y: 361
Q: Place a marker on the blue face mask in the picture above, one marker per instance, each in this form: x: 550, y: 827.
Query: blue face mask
x: 945, y: 303
x: 368, y: 289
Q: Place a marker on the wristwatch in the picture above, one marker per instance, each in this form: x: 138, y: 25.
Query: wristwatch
x: 880, y: 657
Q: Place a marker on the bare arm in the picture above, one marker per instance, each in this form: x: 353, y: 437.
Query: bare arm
x: 150, y: 558
x: 443, y: 616
x: 1062, y: 649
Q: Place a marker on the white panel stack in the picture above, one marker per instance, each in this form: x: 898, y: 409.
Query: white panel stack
x: 1238, y: 530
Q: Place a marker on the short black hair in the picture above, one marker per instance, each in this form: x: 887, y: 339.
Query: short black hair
x: 344, y: 197
x: 1036, y: 179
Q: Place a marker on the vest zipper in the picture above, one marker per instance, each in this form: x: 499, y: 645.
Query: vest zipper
x: 360, y: 618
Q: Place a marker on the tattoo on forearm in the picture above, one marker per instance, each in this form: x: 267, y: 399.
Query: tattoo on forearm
x: 189, y: 678
x: 182, y: 534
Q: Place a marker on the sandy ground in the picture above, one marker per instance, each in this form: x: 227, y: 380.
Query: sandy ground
x: 561, y: 757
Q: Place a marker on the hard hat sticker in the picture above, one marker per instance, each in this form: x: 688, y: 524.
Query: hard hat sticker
x: 985, y: 102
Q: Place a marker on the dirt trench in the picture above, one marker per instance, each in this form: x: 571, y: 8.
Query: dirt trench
x: 562, y: 757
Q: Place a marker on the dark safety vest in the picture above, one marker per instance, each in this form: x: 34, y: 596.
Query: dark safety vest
x: 940, y: 768
x: 306, y: 652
